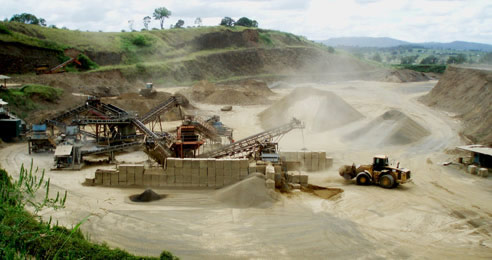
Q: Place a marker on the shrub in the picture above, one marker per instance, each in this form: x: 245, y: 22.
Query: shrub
x: 86, y: 62
x: 140, y: 41
x: 4, y: 30
x: 45, y: 92
x: 265, y: 38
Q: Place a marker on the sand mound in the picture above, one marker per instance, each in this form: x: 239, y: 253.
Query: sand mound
x: 391, y: 128
x: 251, y: 92
x: 146, y: 196
x: 250, y: 192
x: 468, y: 93
x: 319, y: 110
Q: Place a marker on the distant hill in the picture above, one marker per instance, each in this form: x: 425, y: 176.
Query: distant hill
x: 386, y: 42
x: 377, y: 42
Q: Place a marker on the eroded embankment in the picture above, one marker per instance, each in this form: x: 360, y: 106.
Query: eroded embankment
x: 467, y: 92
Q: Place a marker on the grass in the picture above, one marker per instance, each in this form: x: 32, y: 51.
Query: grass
x: 26, y: 98
x: 25, y: 235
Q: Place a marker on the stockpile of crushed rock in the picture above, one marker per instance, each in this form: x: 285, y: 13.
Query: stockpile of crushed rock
x: 391, y: 128
x: 251, y: 92
x: 319, y: 110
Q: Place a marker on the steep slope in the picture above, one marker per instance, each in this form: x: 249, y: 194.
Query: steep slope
x: 467, y: 92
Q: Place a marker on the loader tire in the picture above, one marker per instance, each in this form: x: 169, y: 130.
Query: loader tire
x: 387, y: 181
x: 363, y: 179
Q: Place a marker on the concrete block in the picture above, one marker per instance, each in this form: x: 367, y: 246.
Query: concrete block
x: 202, y: 180
x: 170, y: 162
x: 178, y: 163
x: 130, y: 175
x: 187, y: 163
x: 300, y: 157
x: 203, y: 163
x: 314, y: 155
x: 187, y: 179
x: 195, y: 171
x: 243, y: 172
x: 322, y: 163
x: 303, y: 179
x: 269, y: 168
x: 308, y: 156
x: 195, y: 179
x: 123, y: 168
x: 203, y: 172
x: 219, y: 164
x: 307, y: 164
x: 235, y: 164
x: 329, y: 162
x: 122, y: 177
x: 227, y: 164
x: 252, y: 169
x: 98, y: 177
x: 178, y: 171
x: 292, y: 165
x: 155, y: 180
x: 270, y: 184
x: 472, y: 169
x: 261, y: 168
x: 186, y: 171
x: 162, y: 180
x: 147, y: 179
x: 296, y: 186
x: 179, y: 179
x: 219, y: 171
x: 314, y: 164
x: 195, y: 163
x: 219, y: 181
x: 483, y: 172
x: 211, y: 163
x: 138, y: 177
x: 235, y: 173
x: 243, y: 163
x: 138, y: 169
x: 270, y: 175
x: 170, y: 171
x: 106, y: 178
x: 171, y: 179
x: 228, y: 172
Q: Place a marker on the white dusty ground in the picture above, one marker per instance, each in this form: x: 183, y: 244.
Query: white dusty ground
x: 445, y: 213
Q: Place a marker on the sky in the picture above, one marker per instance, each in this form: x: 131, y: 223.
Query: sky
x: 411, y: 20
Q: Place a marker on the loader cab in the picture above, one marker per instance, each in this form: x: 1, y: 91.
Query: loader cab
x: 380, y: 162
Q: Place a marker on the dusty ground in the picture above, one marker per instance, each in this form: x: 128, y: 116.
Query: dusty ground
x: 445, y: 213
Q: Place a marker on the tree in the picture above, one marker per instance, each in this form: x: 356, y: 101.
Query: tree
x: 179, y: 24
x: 486, y: 58
x: 227, y: 21
x: 430, y: 60
x: 376, y: 57
x: 198, y: 21
x: 146, y: 22
x: 460, y: 59
x: 28, y: 19
x: 130, y: 25
x: 331, y: 49
x: 246, y: 22
x: 408, y: 59
x: 160, y: 14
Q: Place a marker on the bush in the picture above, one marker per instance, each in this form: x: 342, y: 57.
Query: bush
x: 140, y: 41
x: 265, y: 38
x: 4, y: 30
x: 45, y: 92
x: 86, y: 62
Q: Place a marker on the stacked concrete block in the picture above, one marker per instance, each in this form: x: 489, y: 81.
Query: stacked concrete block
x: 98, y: 178
x: 162, y: 180
x: 170, y: 176
x: 139, y: 170
x: 270, y: 172
x: 114, y: 178
x: 483, y: 172
x: 472, y: 169
x: 122, y: 176
x: 130, y: 175
x: 211, y: 177
x: 270, y: 184
x: 329, y: 162
x: 106, y: 178
x: 147, y: 180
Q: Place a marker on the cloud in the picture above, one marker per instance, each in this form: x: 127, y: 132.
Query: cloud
x: 410, y: 20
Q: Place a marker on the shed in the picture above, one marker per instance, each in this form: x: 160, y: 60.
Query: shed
x: 482, y: 155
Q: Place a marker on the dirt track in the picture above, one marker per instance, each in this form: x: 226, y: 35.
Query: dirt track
x: 445, y: 213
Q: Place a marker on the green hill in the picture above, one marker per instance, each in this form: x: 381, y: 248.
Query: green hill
x: 175, y: 56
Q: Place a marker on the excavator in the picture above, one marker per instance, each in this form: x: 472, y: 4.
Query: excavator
x: 378, y: 173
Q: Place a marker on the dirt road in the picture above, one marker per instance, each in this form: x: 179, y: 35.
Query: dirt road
x: 445, y: 213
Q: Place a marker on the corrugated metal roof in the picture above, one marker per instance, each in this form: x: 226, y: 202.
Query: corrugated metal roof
x: 63, y: 150
x: 477, y: 149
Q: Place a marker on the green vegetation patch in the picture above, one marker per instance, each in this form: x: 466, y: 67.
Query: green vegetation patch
x: 25, y: 235
x: 26, y: 99
x: 435, y: 68
x: 4, y: 30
